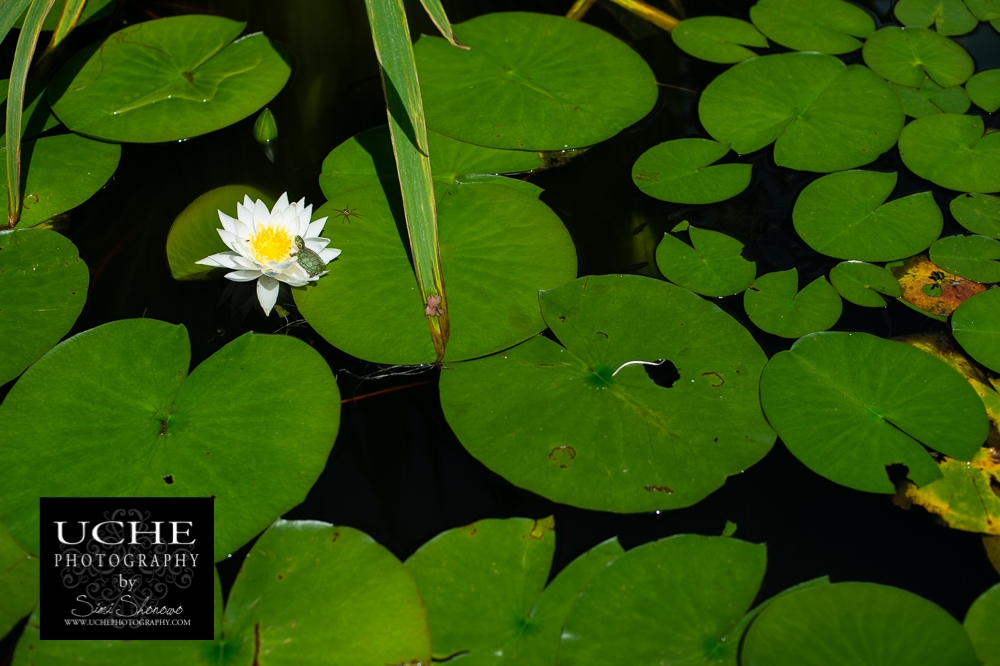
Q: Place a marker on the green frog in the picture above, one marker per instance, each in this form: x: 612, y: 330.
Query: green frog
x: 307, y: 259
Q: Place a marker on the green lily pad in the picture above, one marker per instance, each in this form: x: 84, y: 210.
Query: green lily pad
x: 985, y: 10
x: 972, y: 257
x: 849, y: 404
x: 168, y: 79
x: 626, y: 444
x: 979, y: 213
x: 963, y: 499
x: 483, y: 587
x: 907, y: 55
x: 61, y: 172
x: 37, y: 116
x: 713, y: 267
x: 499, y: 246
x: 194, y: 232
x: 775, y: 304
x: 673, y: 601
x: 861, y: 283
x: 932, y: 98
x: 43, y: 286
x: 149, y: 430
x: 717, y: 38
x: 951, y: 150
x: 18, y: 582
x: 823, y: 115
x: 679, y: 171
x: 982, y: 624
x: 976, y: 326
x: 949, y: 17
x: 862, y: 624
x: 843, y: 215
x: 827, y: 26
x: 984, y: 89
x: 532, y: 82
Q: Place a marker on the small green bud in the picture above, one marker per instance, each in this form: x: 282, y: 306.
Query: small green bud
x: 265, y: 130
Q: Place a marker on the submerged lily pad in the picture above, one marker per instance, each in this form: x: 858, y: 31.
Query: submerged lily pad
x: 679, y: 171
x: 862, y: 624
x: 19, y: 574
x: 907, y: 55
x: 680, y: 600
x: 149, y: 430
x: 717, y: 38
x: 43, y: 286
x: 168, y: 79
x: 483, y: 587
x: 194, y: 232
x: 949, y: 17
x: 827, y: 26
x: 849, y: 404
x: 61, y: 172
x: 979, y: 213
x: 843, y: 215
x: 931, y: 98
x: 984, y: 89
x: 951, y: 150
x: 823, y: 115
x: 931, y: 289
x: 775, y: 304
x: 627, y: 444
x: 861, y: 283
x: 532, y: 82
x: 713, y: 267
x: 982, y: 624
x: 976, y: 326
x: 972, y: 257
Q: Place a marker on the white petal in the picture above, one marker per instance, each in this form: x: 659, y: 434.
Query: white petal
x: 261, y: 215
x: 303, y: 222
x: 228, y: 223
x: 267, y: 293
x: 317, y: 244
x: 227, y: 237
x: 244, y: 231
x: 296, y: 272
x: 300, y: 205
x: 247, y: 202
x: 246, y: 263
x: 281, y: 204
x: 315, y: 228
x: 243, y: 276
x: 329, y: 254
x: 294, y: 282
x: 222, y: 260
x: 244, y: 213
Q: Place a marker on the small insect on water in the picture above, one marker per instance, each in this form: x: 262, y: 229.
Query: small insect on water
x: 310, y: 261
x: 347, y: 213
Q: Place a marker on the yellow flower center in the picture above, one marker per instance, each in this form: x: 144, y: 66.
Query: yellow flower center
x: 271, y: 243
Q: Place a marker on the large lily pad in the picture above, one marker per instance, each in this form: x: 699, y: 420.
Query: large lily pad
x: 676, y: 601
x: 499, y: 246
x: 252, y: 426
x: 984, y: 89
x: 982, y: 624
x: 43, y: 286
x: 849, y: 404
x: 985, y: 10
x: 862, y: 624
x: 979, y: 213
x: 824, y: 115
x: 717, y: 38
x: 775, y: 304
x: 949, y: 17
x: 532, y: 82
x: 951, y: 150
x: 679, y: 171
x: 861, y: 283
x: 972, y: 257
x: 907, y: 55
x: 61, y: 172
x: 843, y: 215
x: 18, y: 582
x: 714, y: 266
x: 483, y: 587
x: 582, y: 423
x: 168, y: 79
x: 827, y: 26
x: 931, y: 98
x: 976, y: 326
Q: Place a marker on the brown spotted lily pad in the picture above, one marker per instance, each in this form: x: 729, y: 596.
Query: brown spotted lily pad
x: 930, y: 288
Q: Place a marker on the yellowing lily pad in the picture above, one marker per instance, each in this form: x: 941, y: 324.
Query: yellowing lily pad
x: 964, y: 498
x: 972, y: 257
x: 984, y: 89
x: 823, y: 115
x: 907, y: 55
x: 679, y: 171
x: 949, y: 17
x: 930, y: 288
x: 775, y: 304
x: 827, y: 26
x: 713, y: 267
x: 979, y: 213
x: 861, y: 283
x: 952, y: 151
x: 931, y: 98
x: 717, y: 38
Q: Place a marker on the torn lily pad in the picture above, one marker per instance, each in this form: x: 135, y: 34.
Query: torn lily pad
x: 952, y: 150
x: 931, y: 289
x: 979, y: 213
x: 629, y: 443
x: 713, y: 267
x: 906, y: 55
x: 972, y: 257
x: 775, y: 304
x: 861, y: 283
x: 717, y: 38
x: 826, y: 26
x: 678, y: 171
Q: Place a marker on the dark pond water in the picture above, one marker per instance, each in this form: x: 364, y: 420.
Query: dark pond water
x: 397, y: 472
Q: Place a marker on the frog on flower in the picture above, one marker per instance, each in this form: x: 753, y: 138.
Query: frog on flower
x: 272, y: 246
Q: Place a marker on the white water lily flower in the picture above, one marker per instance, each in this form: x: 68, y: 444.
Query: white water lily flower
x: 262, y: 243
